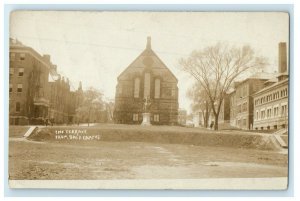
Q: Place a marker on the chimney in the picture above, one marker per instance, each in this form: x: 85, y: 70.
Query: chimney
x: 46, y: 58
x: 282, y: 58
x: 148, y: 43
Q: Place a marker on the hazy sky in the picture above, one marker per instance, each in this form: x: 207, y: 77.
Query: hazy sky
x: 95, y: 47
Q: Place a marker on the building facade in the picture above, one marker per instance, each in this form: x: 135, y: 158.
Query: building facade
x: 271, y: 103
x: 147, y: 77
x: 241, y: 100
x: 28, y: 85
x: 36, y: 92
x: 271, y: 106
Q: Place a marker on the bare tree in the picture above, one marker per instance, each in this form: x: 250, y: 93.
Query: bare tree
x: 92, y: 104
x: 216, y: 67
x: 200, y: 102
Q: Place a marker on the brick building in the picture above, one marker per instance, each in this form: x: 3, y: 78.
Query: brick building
x: 241, y: 99
x: 271, y: 103
x: 63, y: 101
x: 36, y: 92
x: 146, y: 77
x: 28, y: 84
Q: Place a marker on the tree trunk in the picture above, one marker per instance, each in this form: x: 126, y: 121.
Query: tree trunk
x: 206, y: 115
x: 216, y: 126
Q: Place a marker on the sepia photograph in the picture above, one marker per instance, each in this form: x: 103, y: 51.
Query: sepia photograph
x: 148, y: 100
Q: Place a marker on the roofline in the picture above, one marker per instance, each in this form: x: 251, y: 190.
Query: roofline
x: 270, y: 87
x: 31, y: 51
x: 141, y: 55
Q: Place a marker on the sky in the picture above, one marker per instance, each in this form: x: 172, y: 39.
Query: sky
x: 95, y: 47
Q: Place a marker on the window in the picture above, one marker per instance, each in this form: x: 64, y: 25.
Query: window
x: 135, y: 117
x: 18, y: 107
x: 257, y: 117
x: 269, y: 113
x: 136, y: 88
x: 156, y: 117
x: 10, y: 88
x: 286, y: 92
x: 147, y: 85
x: 283, y: 110
x: 12, y: 56
x: 20, y: 88
x: 275, y: 111
x: 22, y: 56
x: 21, y: 72
x: 157, y: 88
x: 11, y: 71
x: 262, y: 114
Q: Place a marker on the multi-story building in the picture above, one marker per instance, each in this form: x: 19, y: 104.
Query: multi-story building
x: 36, y: 92
x: 28, y: 84
x: 241, y: 99
x: 147, y: 77
x: 63, y: 101
x: 271, y: 103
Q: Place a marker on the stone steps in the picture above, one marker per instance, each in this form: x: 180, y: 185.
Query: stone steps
x: 29, y: 131
x: 282, y: 142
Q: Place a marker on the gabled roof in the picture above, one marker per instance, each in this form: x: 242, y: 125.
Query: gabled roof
x: 148, y: 52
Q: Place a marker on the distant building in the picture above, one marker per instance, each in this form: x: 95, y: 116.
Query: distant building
x: 271, y: 103
x: 34, y: 95
x: 63, y: 101
x: 146, y: 77
x: 182, y: 115
x: 242, y: 99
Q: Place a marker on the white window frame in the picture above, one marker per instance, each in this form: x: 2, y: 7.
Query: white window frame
x: 20, y: 86
x: 22, y: 56
x: 20, y: 70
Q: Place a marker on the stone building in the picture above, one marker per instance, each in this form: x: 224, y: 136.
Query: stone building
x: 146, y: 77
x: 271, y: 103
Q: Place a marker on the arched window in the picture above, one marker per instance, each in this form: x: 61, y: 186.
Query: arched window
x: 136, y: 88
x: 157, y: 88
x: 147, y: 85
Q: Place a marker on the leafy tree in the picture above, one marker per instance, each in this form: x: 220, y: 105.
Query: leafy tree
x: 216, y: 67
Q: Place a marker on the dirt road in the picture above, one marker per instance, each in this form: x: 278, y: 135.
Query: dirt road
x: 137, y: 160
